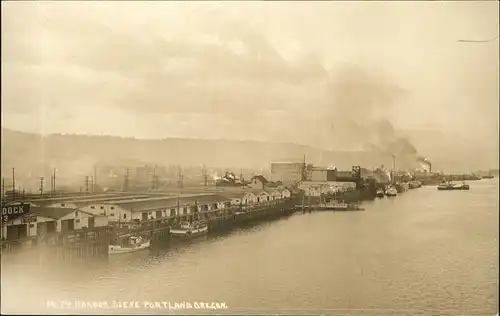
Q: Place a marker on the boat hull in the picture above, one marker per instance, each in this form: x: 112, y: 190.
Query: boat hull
x: 463, y: 188
x: 114, y: 249
x: 188, y: 234
x: 339, y: 207
x: 393, y: 192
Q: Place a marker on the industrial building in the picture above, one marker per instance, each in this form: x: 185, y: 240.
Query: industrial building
x: 289, y: 173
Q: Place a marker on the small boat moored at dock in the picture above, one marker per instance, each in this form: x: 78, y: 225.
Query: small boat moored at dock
x: 380, y: 193
x: 189, y: 230
x: 449, y: 186
x: 414, y: 184
x: 391, y: 191
x: 136, y: 243
x: 401, y: 187
x: 339, y: 206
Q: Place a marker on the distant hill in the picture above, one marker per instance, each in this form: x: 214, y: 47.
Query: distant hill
x: 76, y: 155
x: 25, y: 150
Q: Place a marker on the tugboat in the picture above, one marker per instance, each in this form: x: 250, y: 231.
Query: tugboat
x: 187, y: 230
x: 449, y: 186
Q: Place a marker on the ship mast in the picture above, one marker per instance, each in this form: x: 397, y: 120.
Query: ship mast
x: 393, y: 168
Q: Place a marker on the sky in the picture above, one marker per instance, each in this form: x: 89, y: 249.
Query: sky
x: 318, y: 73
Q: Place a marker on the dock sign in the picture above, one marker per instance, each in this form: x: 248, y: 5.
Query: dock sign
x: 14, y: 210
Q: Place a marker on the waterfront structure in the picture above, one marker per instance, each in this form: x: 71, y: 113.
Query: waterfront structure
x: 241, y: 197
x: 263, y: 196
x: 319, y: 173
x: 46, y: 220
x: 316, y: 188
x: 285, y: 193
x: 329, y: 174
x: 187, y: 207
x: 76, y: 203
x: 72, y: 198
x: 274, y: 193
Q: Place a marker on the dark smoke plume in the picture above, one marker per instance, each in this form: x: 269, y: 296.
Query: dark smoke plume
x: 359, y: 103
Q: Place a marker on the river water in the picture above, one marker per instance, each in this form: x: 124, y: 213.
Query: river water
x: 425, y: 252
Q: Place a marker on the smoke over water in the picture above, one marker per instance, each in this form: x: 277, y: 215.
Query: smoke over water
x: 359, y: 108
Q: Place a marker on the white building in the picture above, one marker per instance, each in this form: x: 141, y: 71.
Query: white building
x: 136, y: 210
x: 263, y: 196
x: 46, y: 220
x: 275, y: 194
x: 285, y: 193
x: 258, y: 182
x: 241, y: 197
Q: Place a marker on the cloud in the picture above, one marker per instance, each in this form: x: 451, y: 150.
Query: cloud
x: 256, y: 70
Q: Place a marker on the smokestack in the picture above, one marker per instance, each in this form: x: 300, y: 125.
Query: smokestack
x: 430, y: 167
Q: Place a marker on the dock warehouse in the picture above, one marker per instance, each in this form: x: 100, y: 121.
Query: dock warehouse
x: 45, y: 220
x: 56, y: 201
x: 187, y: 207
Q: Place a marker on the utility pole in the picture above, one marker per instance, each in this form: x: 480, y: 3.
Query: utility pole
x: 153, y: 180
x: 3, y: 188
x: 41, y: 186
x: 126, y: 182
x: 205, y: 176
x: 92, y: 184
x: 87, y: 184
x: 13, y: 184
x: 51, y: 184
x: 94, y: 179
x: 54, y: 183
x: 393, y: 167
x: 303, y: 176
x: 180, y: 181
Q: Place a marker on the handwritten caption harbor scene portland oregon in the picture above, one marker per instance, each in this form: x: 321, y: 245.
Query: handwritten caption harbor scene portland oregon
x: 250, y: 157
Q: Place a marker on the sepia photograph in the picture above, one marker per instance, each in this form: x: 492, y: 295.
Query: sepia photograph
x: 250, y: 158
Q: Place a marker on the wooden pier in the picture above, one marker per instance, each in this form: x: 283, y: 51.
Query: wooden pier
x: 158, y: 230
x: 94, y: 243
x: 79, y: 244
